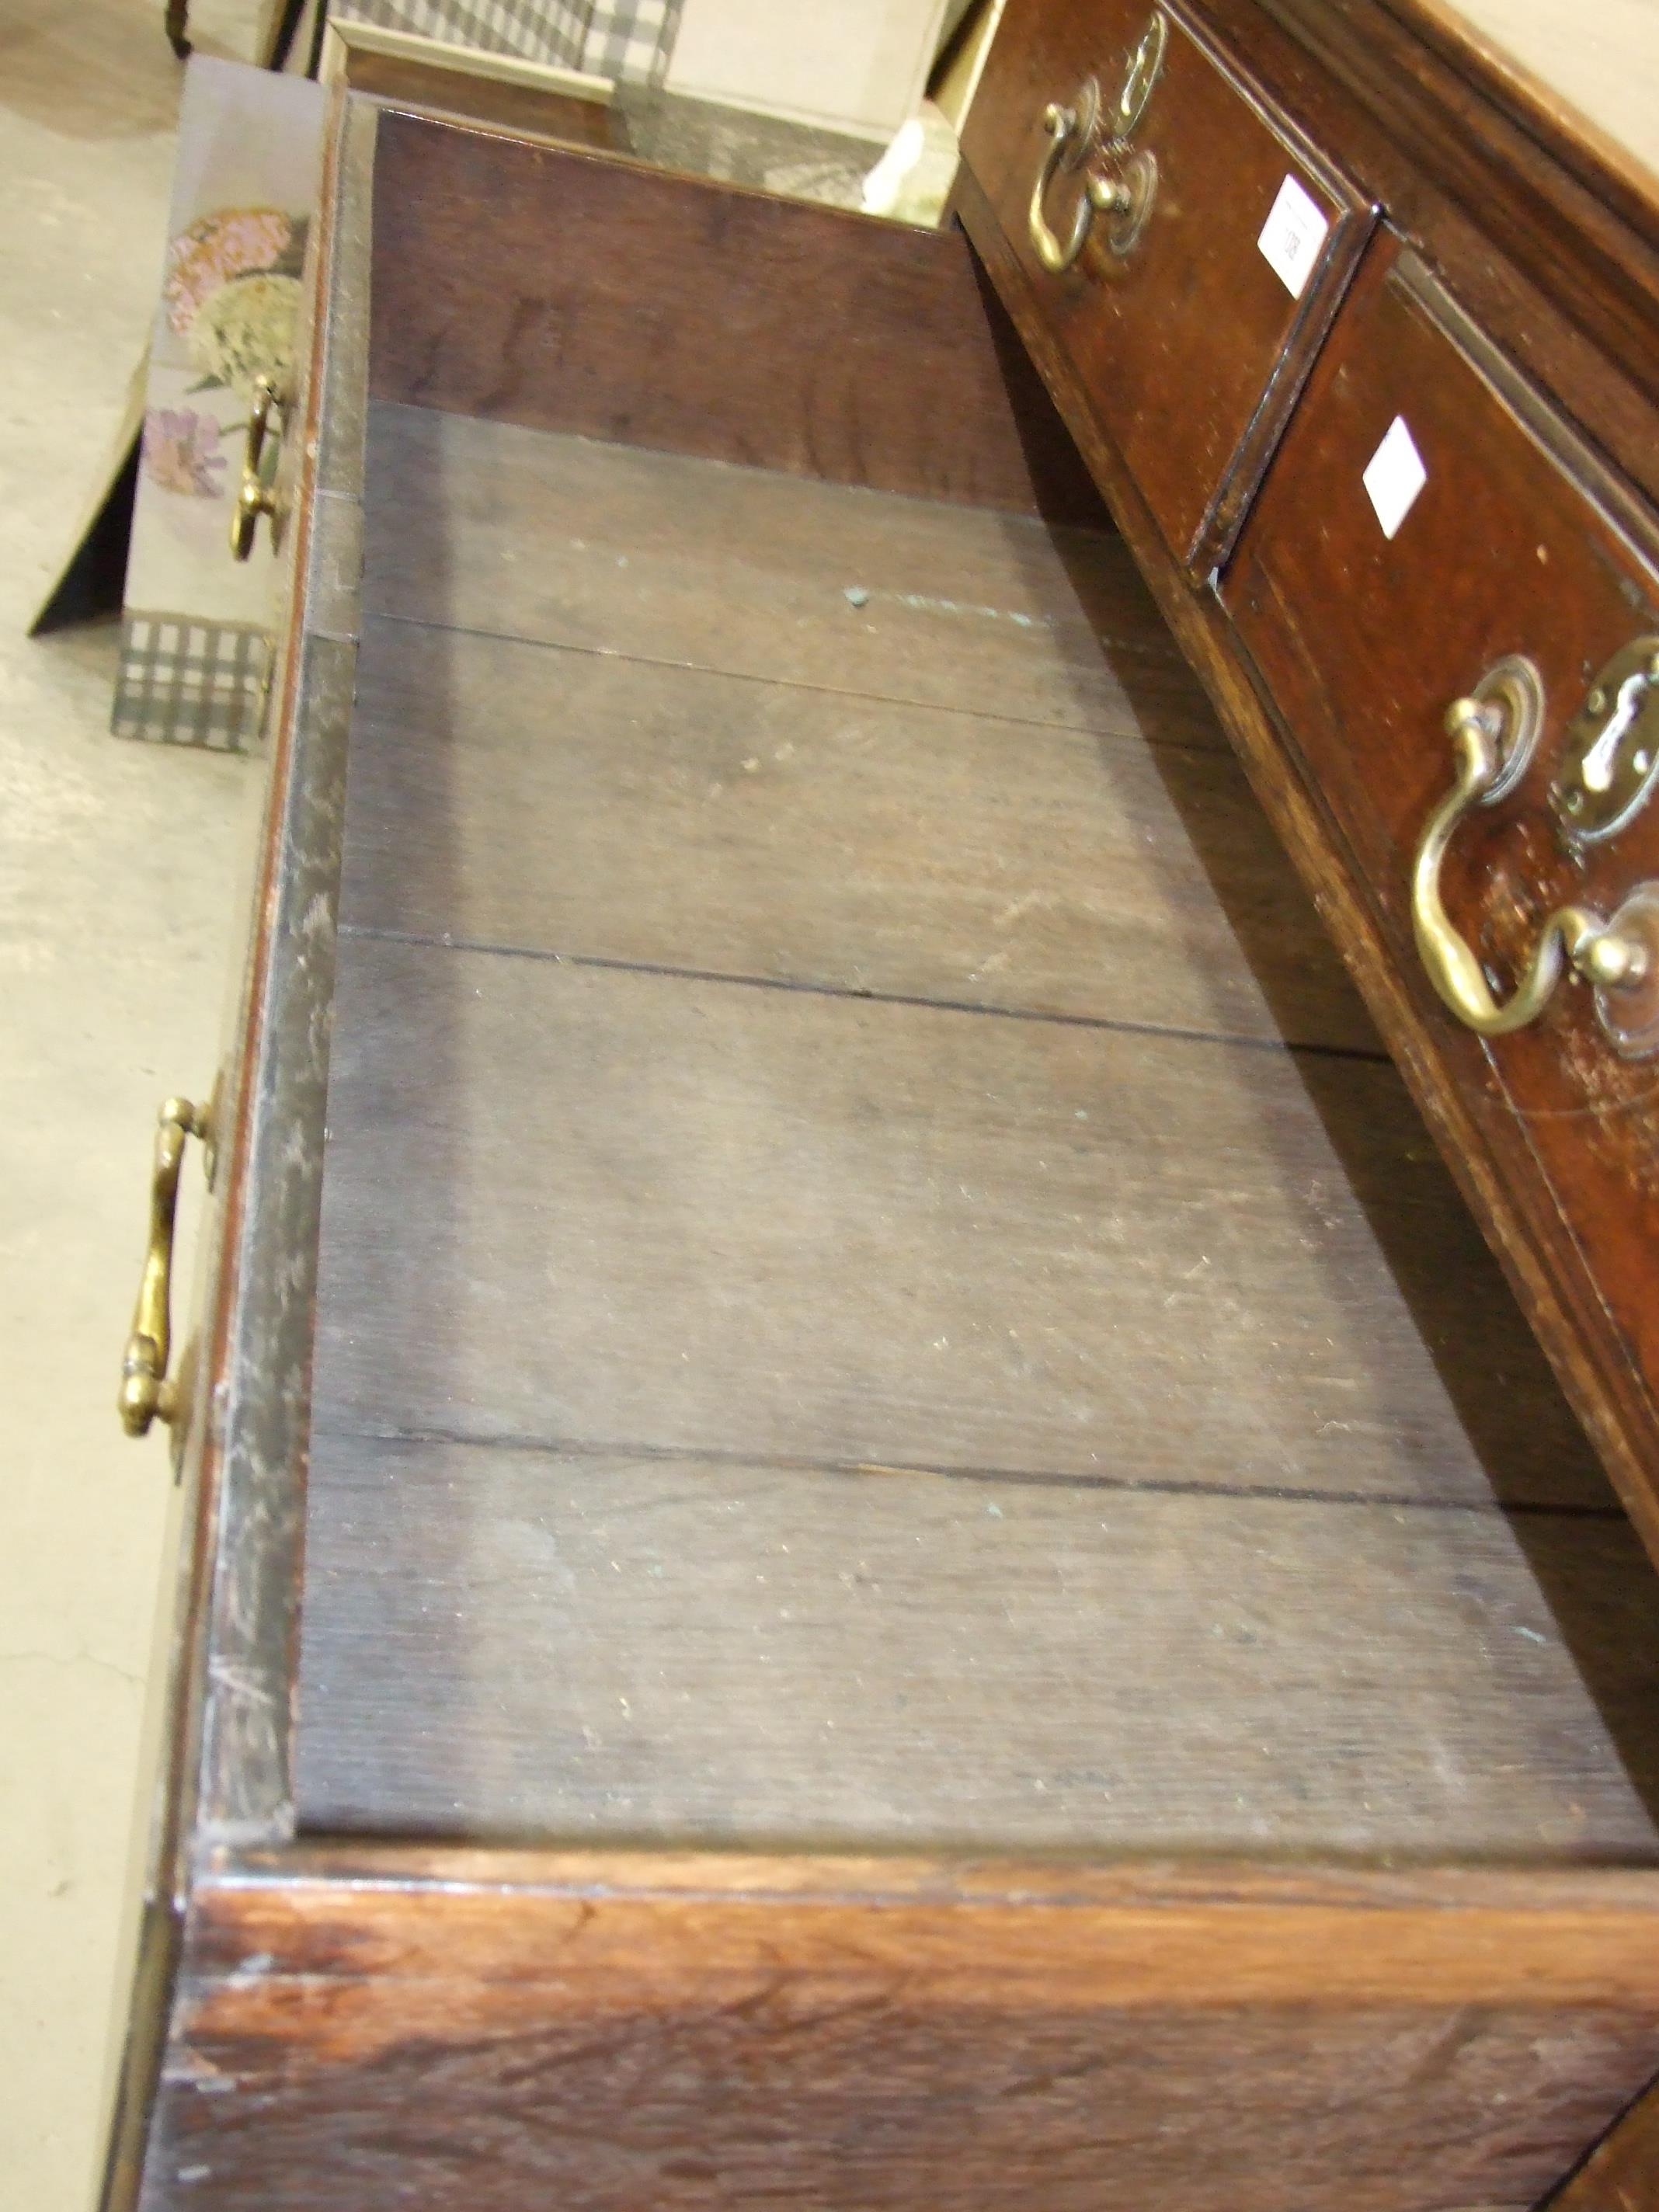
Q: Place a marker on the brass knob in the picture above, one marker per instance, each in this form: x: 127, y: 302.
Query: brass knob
x: 1493, y: 734
x: 147, y: 1392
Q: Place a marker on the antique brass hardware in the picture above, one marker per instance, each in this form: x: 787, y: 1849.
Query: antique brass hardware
x: 1610, y: 759
x: 265, y: 404
x: 1070, y: 132
x: 1494, y: 734
x: 147, y: 1391
x: 1076, y: 137
x: 255, y: 497
x: 1145, y: 63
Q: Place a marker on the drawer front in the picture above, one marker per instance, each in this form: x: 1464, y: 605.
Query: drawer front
x: 1427, y: 523
x: 1213, y: 243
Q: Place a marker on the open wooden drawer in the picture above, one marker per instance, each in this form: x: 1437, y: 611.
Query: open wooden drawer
x: 873, y: 1532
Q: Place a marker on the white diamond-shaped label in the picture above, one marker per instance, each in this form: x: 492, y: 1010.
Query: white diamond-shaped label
x: 1292, y: 236
x: 1395, y: 477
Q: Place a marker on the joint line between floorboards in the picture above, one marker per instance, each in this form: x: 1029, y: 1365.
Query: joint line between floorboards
x: 1219, y: 751
x: 803, y: 987
x: 1028, y: 1478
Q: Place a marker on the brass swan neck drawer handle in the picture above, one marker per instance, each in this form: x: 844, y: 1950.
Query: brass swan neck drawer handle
x: 1076, y: 136
x: 1066, y: 135
x: 148, y: 1392
x: 1127, y: 198
x: 254, y: 497
x: 1494, y: 734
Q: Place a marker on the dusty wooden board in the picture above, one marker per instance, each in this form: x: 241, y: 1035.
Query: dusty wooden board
x: 666, y: 1650
x: 576, y: 1204
x: 558, y: 289
x: 527, y: 796
x: 525, y: 533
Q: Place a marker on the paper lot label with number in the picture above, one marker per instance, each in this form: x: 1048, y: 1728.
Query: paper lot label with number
x: 1292, y: 236
x: 1394, y: 476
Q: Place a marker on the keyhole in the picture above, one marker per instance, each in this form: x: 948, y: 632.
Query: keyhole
x: 1596, y: 774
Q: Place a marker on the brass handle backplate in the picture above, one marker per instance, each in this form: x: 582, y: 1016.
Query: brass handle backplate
x: 254, y: 497
x: 147, y: 1392
x: 1076, y: 139
x: 1494, y: 732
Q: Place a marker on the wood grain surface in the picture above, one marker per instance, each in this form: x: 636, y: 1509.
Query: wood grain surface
x: 659, y: 1221
x: 718, y: 1217
x: 489, y: 527
x: 560, y: 801
x: 966, y: 1333
x: 608, y: 2044
x: 662, y: 1648
x: 1578, y: 1933
x: 540, y: 285
x: 466, y: 95
x: 1212, y: 1934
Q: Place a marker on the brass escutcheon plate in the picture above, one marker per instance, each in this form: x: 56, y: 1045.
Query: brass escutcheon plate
x: 1610, y: 756
x: 1141, y: 75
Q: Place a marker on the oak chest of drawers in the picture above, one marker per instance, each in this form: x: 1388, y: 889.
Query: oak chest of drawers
x: 869, y: 1526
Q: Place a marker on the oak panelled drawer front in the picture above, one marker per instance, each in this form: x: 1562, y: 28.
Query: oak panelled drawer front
x: 1447, y: 599
x: 1187, y: 245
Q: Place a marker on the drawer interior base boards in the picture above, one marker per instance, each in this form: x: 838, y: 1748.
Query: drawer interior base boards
x: 876, y: 1288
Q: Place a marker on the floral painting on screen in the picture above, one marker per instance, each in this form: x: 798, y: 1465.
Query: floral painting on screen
x: 232, y: 294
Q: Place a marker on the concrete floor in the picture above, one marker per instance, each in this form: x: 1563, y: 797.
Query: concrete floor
x: 117, y: 867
